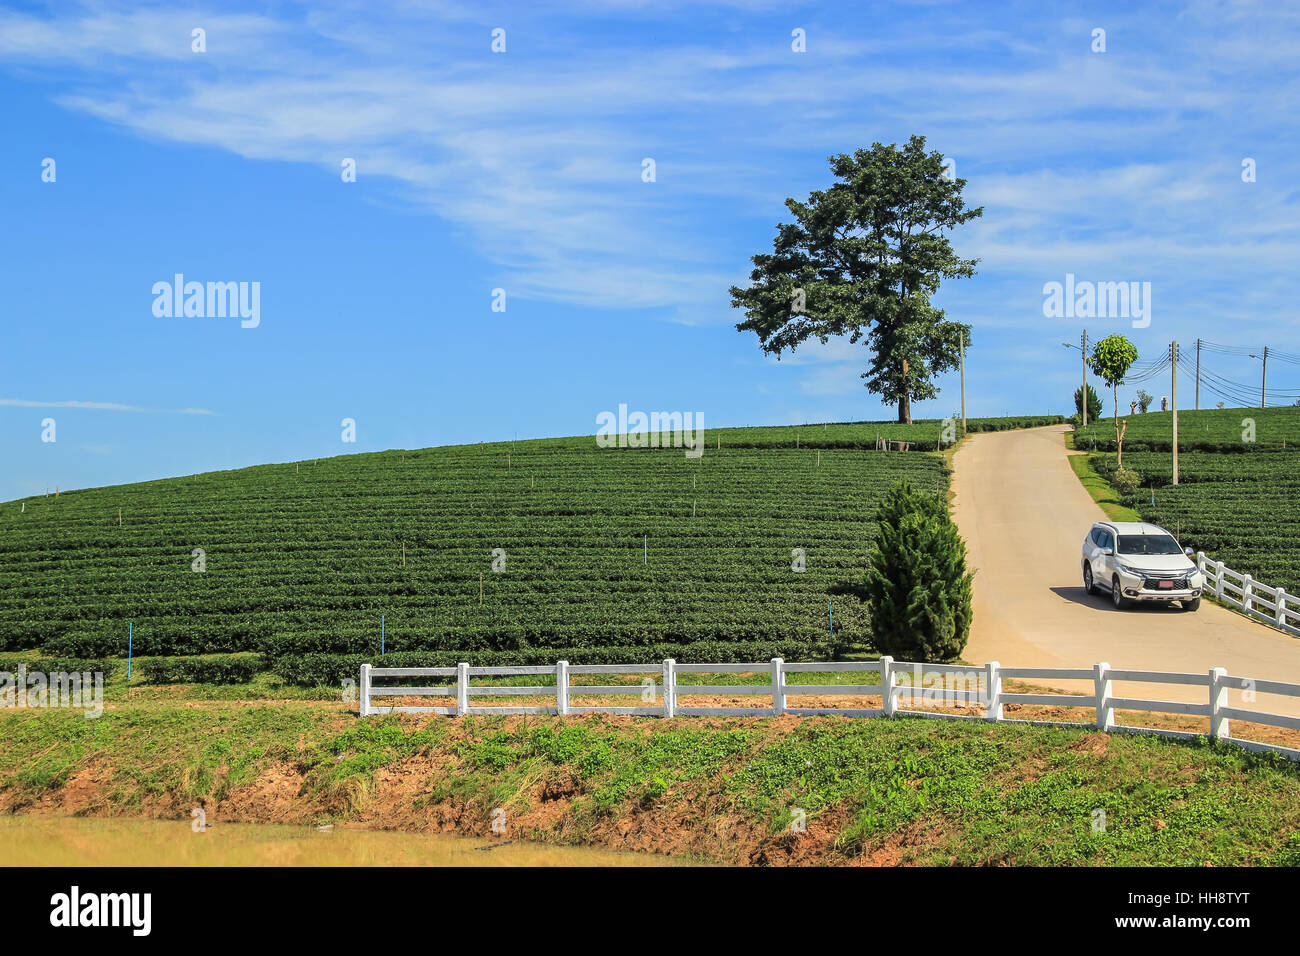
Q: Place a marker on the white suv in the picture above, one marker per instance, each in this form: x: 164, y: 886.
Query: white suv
x: 1136, y: 561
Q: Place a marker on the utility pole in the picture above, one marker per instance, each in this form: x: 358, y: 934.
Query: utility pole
x: 1198, y: 375
x: 1263, y: 378
x: 963, y: 381
x: 1173, y: 392
x: 1083, y: 395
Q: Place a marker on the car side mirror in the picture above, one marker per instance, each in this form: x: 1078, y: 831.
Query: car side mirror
x: 1108, y: 551
x: 1188, y: 551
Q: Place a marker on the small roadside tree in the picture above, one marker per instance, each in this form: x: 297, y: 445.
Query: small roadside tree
x: 917, y: 586
x: 1144, y: 400
x: 1094, y: 404
x: 1110, y: 361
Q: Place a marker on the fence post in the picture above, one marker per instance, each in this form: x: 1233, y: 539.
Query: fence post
x: 992, y: 691
x: 562, y: 687
x: 1246, y: 594
x: 1280, y: 613
x: 1219, y: 725
x: 365, y: 690
x: 670, y: 688
x: 887, y: 684
x: 778, y: 690
x: 1105, y: 712
x: 1218, y: 580
x: 462, y: 689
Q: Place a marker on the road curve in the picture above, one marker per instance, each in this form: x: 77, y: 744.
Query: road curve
x: 1024, y: 514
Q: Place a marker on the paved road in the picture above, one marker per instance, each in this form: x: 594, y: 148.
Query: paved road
x: 1024, y: 515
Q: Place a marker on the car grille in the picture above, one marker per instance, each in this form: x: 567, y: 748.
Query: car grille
x: 1152, y: 581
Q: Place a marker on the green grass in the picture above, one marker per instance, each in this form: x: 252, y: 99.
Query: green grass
x: 900, y: 790
x: 1101, y: 490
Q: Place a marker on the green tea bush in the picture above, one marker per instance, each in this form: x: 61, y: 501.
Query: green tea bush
x: 53, y: 665
x: 211, y: 669
x: 93, y: 644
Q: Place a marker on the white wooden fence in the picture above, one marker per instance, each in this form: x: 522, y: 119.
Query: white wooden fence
x: 1259, y: 600
x: 959, y: 685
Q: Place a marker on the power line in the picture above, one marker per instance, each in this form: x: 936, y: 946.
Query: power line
x: 1247, y: 351
x: 1144, y: 373
x: 1226, y: 349
x: 1244, y: 393
x: 1221, y: 387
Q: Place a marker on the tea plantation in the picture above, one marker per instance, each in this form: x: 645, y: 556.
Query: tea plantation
x: 1236, y: 500
x: 1209, y: 429
x: 509, y: 553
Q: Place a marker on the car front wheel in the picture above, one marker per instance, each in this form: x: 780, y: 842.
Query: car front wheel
x: 1191, y: 605
x: 1117, y: 593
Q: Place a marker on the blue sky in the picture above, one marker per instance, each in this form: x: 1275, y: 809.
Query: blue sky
x: 522, y: 170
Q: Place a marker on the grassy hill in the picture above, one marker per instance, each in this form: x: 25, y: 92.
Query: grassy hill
x: 610, y: 555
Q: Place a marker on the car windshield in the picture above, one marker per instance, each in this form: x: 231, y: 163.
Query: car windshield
x: 1148, y: 544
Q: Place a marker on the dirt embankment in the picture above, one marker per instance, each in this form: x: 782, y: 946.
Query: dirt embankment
x: 409, y: 795
x: 440, y: 789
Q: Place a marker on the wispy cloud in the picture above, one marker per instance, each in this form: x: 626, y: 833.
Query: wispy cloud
x: 104, y: 407
x: 1123, y: 163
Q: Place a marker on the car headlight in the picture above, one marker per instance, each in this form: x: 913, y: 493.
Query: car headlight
x: 1128, y: 569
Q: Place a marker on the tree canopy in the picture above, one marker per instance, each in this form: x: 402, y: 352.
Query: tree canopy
x: 1110, y: 361
x: 862, y: 259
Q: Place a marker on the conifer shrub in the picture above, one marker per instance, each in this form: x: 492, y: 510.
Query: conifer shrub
x: 917, y: 585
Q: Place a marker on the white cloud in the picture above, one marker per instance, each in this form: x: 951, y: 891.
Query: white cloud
x: 1122, y: 165
x: 102, y: 407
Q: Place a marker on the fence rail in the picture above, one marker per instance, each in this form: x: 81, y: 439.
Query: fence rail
x: 1253, y: 597
x: 900, y: 683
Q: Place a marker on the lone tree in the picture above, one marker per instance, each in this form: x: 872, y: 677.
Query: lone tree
x: 1110, y: 361
x: 862, y: 259
x: 917, y: 585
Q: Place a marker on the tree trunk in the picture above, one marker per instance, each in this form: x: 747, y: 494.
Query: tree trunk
x: 905, y: 401
x: 1119, y: 439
